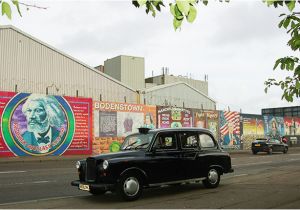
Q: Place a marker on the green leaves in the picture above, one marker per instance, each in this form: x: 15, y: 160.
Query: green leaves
x: 16, y: 3
x: 6, y: 9
x: 151, y: 6
x: 192, y: 14
x: 183, y: 6
x: 141, y: 2
x: 290, y: 5
x: 183, y: 9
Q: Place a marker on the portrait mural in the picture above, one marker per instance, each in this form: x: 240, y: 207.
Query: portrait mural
x: 274, y: 126
x: 230, y: 129
x: 38, y: 125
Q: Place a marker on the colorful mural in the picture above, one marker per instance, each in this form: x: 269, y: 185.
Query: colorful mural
x: 114, y: 121
x: 230, y: 130
x: 39, y: 125
x: 274, y: 126
x: 172, y: 117
x: 252, y: 127
x: 208, y: 119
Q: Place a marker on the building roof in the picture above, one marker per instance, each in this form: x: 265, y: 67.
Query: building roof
x: 159, y: 87
x: 65, y: 55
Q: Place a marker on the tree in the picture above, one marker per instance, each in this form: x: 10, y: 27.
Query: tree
x: 290, y: 85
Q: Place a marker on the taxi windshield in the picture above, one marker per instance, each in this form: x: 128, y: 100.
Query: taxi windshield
x: 137, y: 141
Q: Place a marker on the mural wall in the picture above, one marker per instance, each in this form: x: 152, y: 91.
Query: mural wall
x: 172, y: 117
x: 39, y: 125
x: 208, y: 119
x: 230, y: 130
x: 252, y: 127
x: 113, y: 121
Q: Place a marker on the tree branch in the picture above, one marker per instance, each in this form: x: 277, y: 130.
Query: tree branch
x: 32, y: 5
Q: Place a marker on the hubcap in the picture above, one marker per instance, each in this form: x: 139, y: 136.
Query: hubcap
x: 131, y: 186
x: 213, y: 176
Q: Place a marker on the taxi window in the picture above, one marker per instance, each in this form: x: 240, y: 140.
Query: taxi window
x: 206, y: 141
x: 188, y: 140
x: 165, y: 141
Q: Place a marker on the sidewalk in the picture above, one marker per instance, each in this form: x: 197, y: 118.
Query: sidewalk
x: 79, y: 157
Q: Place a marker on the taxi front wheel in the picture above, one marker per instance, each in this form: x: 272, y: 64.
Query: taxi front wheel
x: 130, y: 187
x: 212, y: 179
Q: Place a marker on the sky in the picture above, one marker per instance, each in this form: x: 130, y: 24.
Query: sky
x: 236, y: 44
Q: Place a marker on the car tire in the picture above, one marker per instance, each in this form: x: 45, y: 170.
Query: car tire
x: 254, y: 152
x: 130, y: 186
x: 97, y: 191
x: 212, y: 178
x: 270, y: 151
x: 285, y: 150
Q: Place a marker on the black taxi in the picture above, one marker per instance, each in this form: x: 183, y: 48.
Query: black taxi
x: 152, y: 158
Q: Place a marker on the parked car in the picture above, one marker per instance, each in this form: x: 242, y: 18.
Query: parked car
x: 153, y: 158
x: 269, y: 146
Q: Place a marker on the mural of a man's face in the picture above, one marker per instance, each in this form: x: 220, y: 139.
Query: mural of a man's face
x: 36, y: 117
x: 148, y: 120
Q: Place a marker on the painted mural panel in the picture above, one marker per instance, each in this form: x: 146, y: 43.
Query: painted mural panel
x: 117, y: 120
x: 274, y: 126
x: 172, y: 117
x: 291, y: 126
x: 39, y: 125
x: 230, y: 129
x: 208, y: 119
x: 252, y: 128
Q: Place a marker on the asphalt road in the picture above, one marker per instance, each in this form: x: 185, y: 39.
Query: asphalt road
x: 259, y: 181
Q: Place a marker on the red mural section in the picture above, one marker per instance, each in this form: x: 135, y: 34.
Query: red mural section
x: 40, y: 125
x: 83, y: 136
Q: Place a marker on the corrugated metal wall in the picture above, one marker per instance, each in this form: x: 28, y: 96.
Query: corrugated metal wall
x: 133, y: 71
x: 176, y: 95
x: 31, y: 66
x: 198, y: 84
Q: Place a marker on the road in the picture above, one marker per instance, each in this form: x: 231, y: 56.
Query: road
x: 259, y: 181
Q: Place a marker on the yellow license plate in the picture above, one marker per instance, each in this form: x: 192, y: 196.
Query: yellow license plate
x: 257, y: 145
x: 84, y: 187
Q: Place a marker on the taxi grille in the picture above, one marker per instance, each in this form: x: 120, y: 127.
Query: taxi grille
x: 90, y: 169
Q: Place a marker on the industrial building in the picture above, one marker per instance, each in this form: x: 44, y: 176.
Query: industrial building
x: 165, y: 89
x: 30, y: 65
x: 130, y: 70
x: 179, y: 94
x: 166, y: 78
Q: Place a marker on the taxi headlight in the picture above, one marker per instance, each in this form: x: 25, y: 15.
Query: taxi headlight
x: 105, y: 164
x: 78, y: 164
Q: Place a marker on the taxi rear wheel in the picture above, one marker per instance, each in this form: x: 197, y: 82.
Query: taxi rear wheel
x: 130, y: 186
x: 212, y: 178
